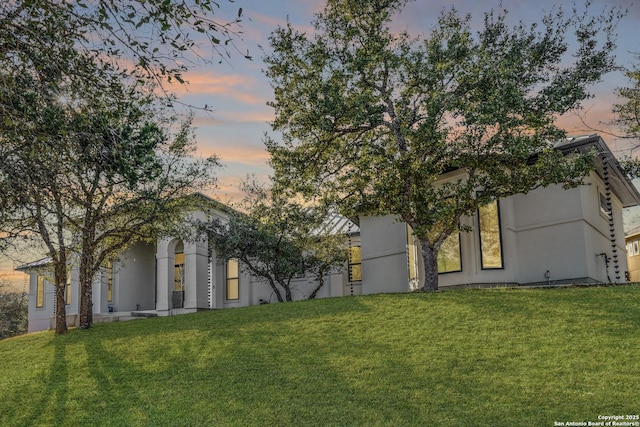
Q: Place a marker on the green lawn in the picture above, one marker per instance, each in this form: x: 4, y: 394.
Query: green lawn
x: 459, y: 358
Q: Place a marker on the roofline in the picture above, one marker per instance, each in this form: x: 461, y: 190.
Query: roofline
x: 621, y: 184
x: 43, y: 262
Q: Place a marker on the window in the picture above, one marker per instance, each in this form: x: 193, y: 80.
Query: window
x: 636, y: 250
x: 490, y: 237
x: 604, y: 205
x: 110, y: 281
x: 412, y: 254
x: 449, y: 259
x: 629, y: 249
x: 178, y: 272
x: 40, y: 292
x: 67, y: 292
x: 355, y: 264
x: 233, y: 279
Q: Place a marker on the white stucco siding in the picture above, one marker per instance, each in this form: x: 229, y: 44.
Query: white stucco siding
x: 384, y: 255
x: 39, y: 317
x: 599, y: 240
x: 134, y: 279
x: 558, y: 248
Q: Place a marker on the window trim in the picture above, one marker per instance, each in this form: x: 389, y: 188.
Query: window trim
x: 351, y: 264
x: 110, y: 281
x: 230, y: 279
x: 412, y: 255
x: 67, y: 292
x: 482, y: 267
x: 605, y: 211
x: 40, y: 287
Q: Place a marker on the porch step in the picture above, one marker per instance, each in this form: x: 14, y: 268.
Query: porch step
x: 144, y: 314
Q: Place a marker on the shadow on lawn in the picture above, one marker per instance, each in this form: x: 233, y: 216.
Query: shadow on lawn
x: 56, y: 388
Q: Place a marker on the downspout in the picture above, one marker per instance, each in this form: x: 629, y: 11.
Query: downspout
x: 612, y: 228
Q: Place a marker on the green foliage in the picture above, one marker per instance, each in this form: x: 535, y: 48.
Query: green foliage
x: 628, y: 113
x: 483, y: 358
x: 278, y: 239
x: 90, y: 160
x: 372, y: 118
x: 147, y: 40
x: 13, y: 313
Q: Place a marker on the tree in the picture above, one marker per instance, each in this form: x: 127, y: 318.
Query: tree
x: 371, y: 119
x: 13, y: 312
x: 88, y: 159
x: 148, y: 40
x: 628, y: 112
x: 88, y: 165
x: 278, y: 240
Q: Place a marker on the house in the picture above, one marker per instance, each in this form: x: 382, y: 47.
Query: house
x: 548, y: 236
x: 172, y: 276
x: 632, y: 240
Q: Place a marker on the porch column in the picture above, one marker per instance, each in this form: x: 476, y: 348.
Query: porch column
x: 164, y: 276
x: 196, y: 275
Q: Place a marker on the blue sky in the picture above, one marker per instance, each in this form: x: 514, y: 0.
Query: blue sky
x: 238, y: 91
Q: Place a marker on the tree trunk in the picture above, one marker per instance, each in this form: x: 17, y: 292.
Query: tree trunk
x: 430, y: 258
x: 320, y: 277
x: 86, y: 303
x: 61, y: 311
x: 287, y: 290
x: 276, y: 290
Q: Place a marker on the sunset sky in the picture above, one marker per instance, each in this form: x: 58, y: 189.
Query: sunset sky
x: 238, y: 90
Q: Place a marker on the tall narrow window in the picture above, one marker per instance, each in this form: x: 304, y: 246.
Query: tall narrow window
x: 412, y: 254
x: 67, y: 291
x: 178, y: 276
x: 110, y: 281
x: 449, y: 259
x: 40, y: 292
x: 355, y: 264
x: 490, y: 238
x: 233, y: 279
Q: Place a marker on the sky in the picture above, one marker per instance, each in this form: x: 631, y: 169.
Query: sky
x: 238, y: 91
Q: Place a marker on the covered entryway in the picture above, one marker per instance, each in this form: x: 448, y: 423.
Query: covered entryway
x: 183, y: 276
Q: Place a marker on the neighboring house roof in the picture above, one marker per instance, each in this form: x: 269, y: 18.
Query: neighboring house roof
x: 35, y: 264
x: 620, y: 183
x: 337, y: 224
x: 633, y: 232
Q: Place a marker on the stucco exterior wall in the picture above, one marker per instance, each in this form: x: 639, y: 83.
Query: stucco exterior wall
x: 134, y: 279
x: 39, y: 317
x: 384, y: 255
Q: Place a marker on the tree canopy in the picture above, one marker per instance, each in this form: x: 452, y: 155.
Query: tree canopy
x: 278, y: 239
x: 91, y: 159
x: 372, y: 118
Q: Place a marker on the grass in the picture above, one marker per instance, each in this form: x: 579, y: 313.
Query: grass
x: 466, y: 358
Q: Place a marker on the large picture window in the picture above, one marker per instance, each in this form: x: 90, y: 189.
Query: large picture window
x: 355, y: 264
x: 40, y: 292
x: 233, y: 279
x: 490, y: 236
x: 449, y: 259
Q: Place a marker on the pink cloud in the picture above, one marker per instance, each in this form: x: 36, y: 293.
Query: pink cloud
x: 237, y: 154
x: 239, y: 87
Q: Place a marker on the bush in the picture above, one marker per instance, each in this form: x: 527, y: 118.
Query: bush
x: 13, y: 314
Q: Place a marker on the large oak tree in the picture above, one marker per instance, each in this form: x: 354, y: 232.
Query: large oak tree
x: 371, y: 118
